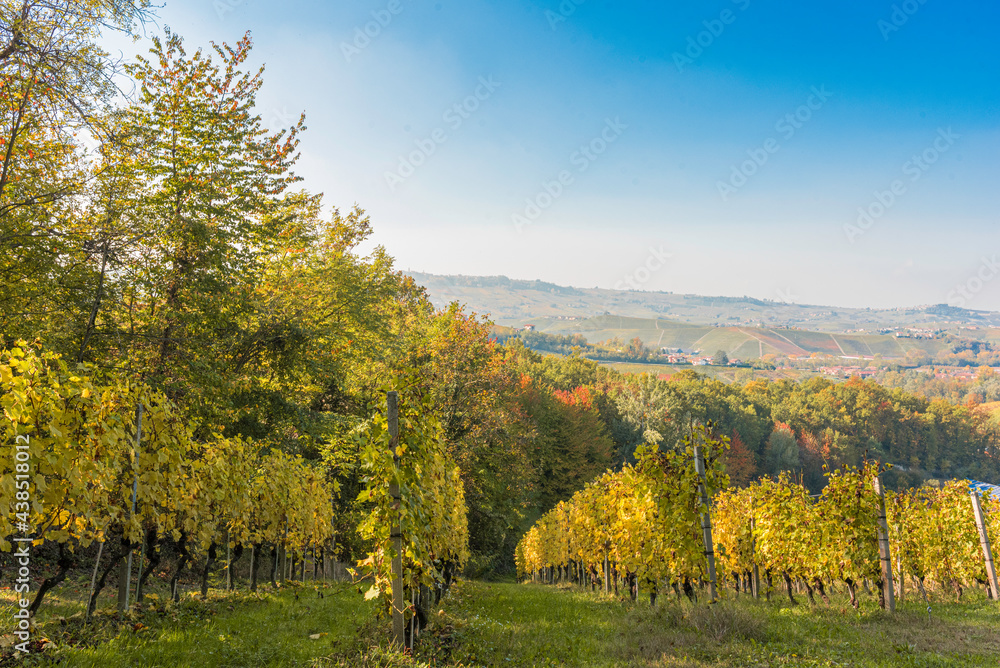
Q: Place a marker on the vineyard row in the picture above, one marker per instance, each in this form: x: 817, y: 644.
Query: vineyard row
x: 662, y: 522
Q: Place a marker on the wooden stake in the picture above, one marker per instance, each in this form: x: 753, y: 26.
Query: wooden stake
x: 984, y: 542
x: 93, y: 579
x: 125, y: 570
x: 398, y: 623
x: 607, y: 575
x: 229, y: 563
x: 138, y: 577
x: 883, y: 548
x: 706, y: 518
x: 755, y: 576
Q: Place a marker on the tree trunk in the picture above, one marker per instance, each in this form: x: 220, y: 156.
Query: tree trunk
x: 821, y: 590
x: 208, y: 569
x: 274, y: 565
x: 788, y: 585
x: 112, y: 563
x: 254, y: 565
x: 65, y: 562
x: 852, y: 588
x: 920, y: 586
x: 230, y: 573
x: 153, y: 550
x: 182, y: 559
x: 689, y: 590
x: 91, y: 321
x: 809, y: 592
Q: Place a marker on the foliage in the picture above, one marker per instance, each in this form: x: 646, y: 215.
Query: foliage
x: 84, y: 463
x: 430, y: 511
x: 645, y: 518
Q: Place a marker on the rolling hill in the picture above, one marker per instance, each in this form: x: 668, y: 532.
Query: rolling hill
x: 746, y: 328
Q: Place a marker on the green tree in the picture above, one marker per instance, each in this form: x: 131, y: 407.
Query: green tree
x: 207, y: 207
x: 782, y: 449
x: 57, y: 88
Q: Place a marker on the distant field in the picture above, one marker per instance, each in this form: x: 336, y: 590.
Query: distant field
x: 745, y: 343
x: 725, y: 374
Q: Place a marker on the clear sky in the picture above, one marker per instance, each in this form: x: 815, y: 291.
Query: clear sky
x: 834, y: 153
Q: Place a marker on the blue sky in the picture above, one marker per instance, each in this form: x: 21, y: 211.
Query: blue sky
x: 743, y: 139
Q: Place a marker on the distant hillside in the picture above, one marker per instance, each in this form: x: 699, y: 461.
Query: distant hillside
x: 743, y: 326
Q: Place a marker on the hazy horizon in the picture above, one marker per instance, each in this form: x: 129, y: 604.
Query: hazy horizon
x: 777, y: 300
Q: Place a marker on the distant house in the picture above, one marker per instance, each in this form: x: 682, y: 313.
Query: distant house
x: 849, y: 371
x: 529, y: 328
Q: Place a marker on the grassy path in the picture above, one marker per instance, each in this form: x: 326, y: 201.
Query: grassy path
x: 266, y: 629
x: 505, y: 624
x: 533, y: 625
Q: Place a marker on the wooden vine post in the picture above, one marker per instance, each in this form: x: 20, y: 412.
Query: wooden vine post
x: 125, y: 570
x: 706, y: 518
x: 398, y: 623
x: 984, y: 542
x: 883, y: 548
x: 755, y: 573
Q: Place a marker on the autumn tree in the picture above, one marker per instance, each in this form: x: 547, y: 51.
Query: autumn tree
x: 740, y: 462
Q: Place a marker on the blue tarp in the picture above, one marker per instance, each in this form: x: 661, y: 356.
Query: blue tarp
x: 984, y: 487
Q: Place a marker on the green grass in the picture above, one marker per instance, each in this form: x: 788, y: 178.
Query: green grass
x: 506, y: 624
x: 535, y: 625
x: 270, y: 628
